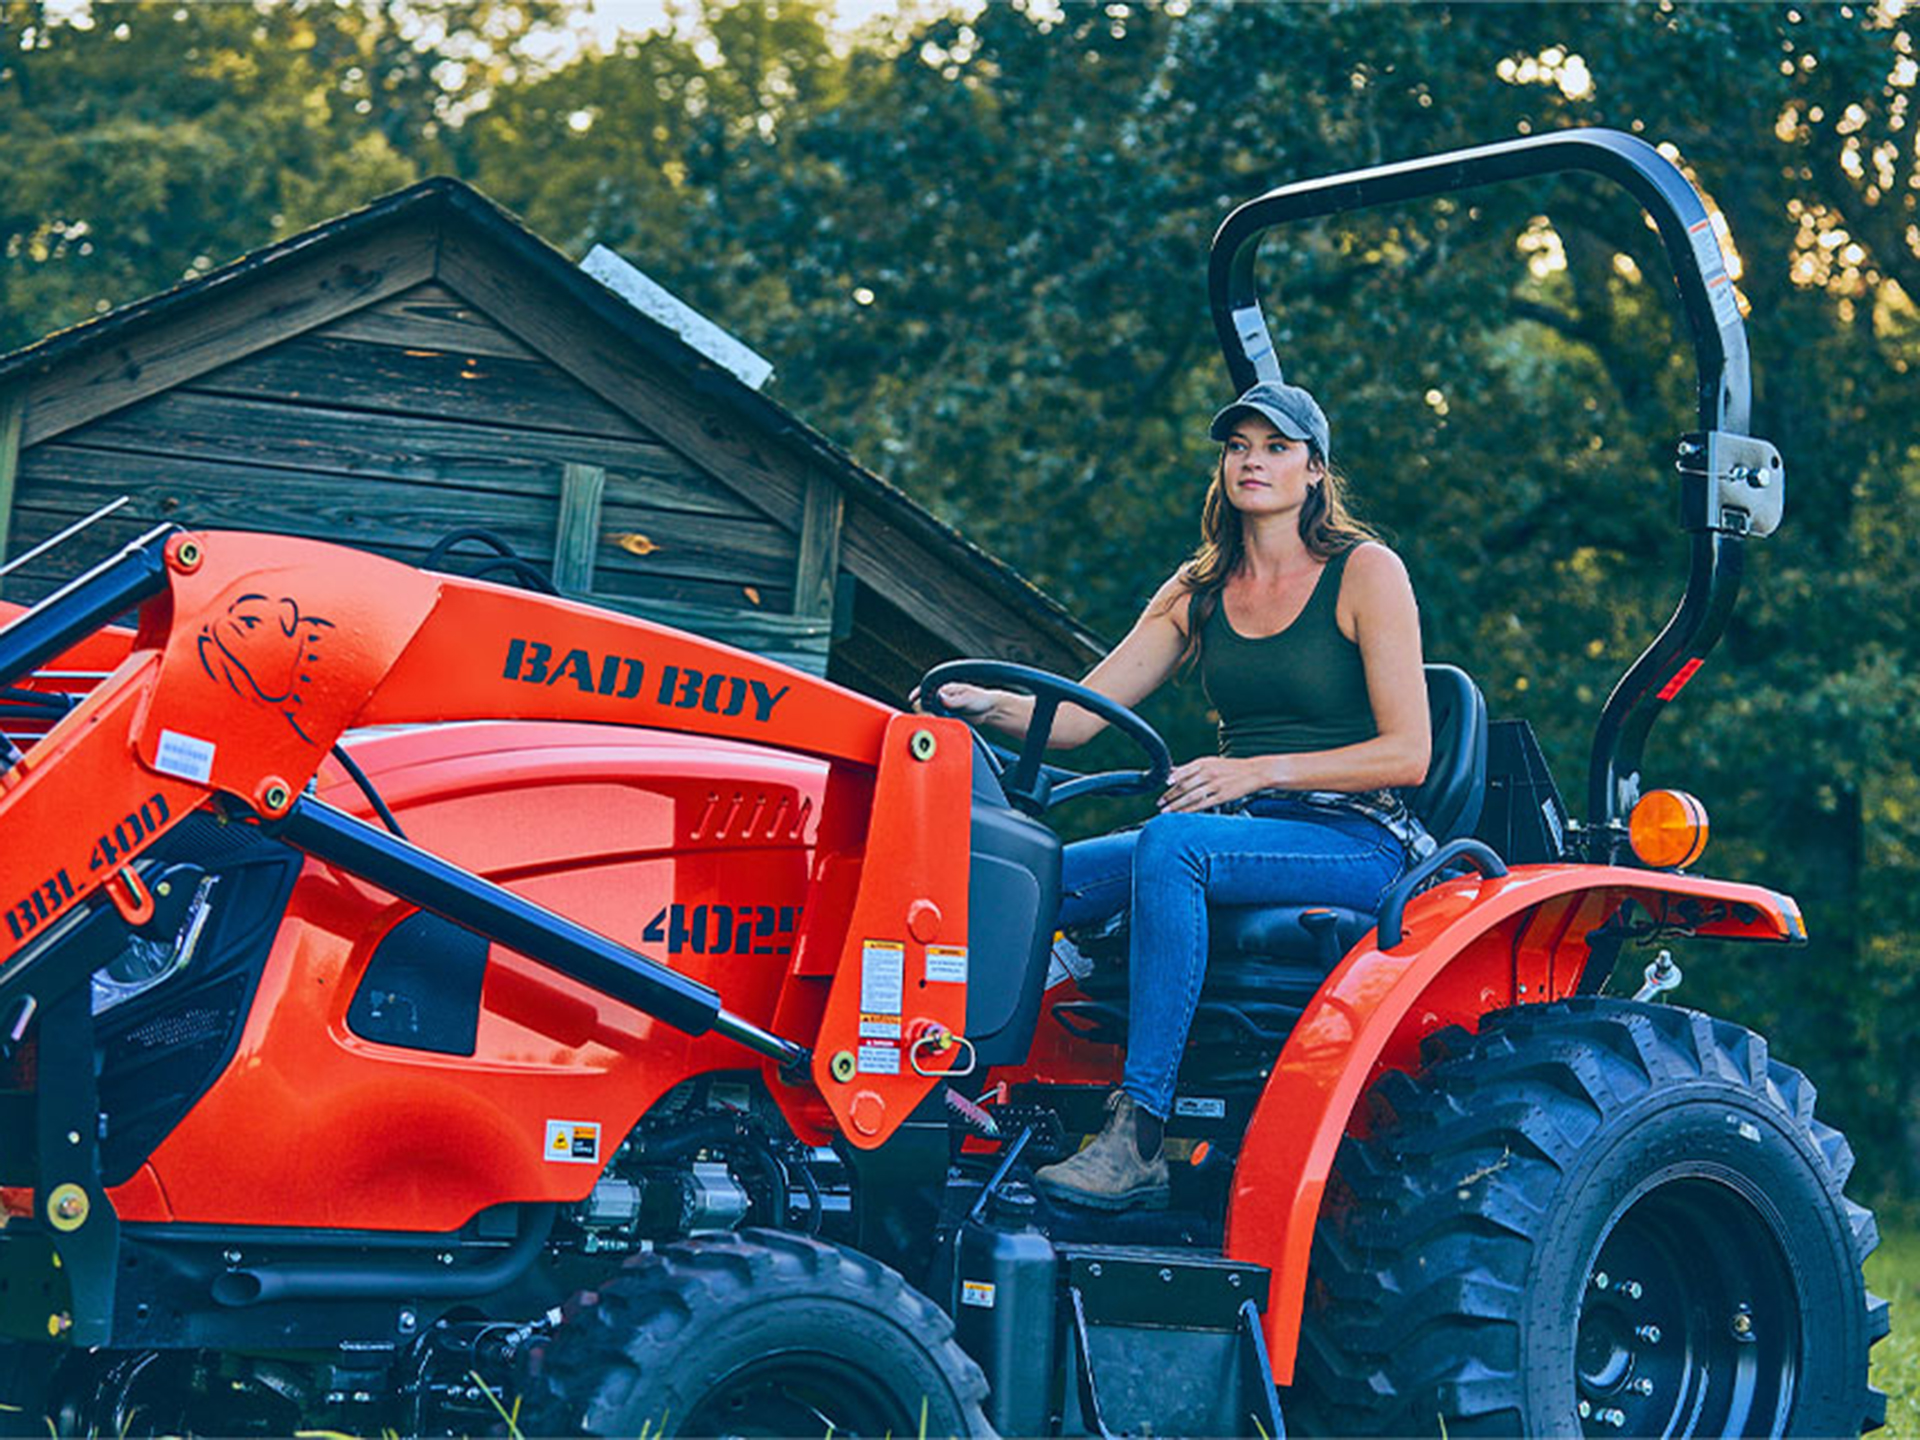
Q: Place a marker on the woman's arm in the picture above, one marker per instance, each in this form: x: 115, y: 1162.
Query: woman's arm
x: 1376, y: 598
x: 1131, y: 671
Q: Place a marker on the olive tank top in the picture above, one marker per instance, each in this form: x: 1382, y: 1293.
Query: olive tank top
x: 1300, y: 689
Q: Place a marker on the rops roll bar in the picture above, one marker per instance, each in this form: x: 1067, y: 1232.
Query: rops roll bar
x: 1731, y: 484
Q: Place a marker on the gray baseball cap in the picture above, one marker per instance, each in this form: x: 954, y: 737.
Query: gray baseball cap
x: 1290, y: 410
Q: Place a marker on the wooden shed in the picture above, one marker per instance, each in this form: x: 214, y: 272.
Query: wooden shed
x: 428, y: 364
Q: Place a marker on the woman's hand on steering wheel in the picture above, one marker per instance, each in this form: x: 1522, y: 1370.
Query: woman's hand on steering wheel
x: 974, y: 704
x: 1028, y: 785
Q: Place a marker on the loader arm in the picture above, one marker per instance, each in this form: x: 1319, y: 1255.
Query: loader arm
x: 254, y: 654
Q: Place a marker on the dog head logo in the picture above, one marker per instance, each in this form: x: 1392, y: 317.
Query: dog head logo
x: 266, y: 651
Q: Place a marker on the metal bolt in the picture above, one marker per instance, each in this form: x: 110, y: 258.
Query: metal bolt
x: 163, y: 889
x: 73, y: 1137
x: 1600, y: 1281
x: 58, y: 1325
x: 1648, y: 1333
x: 67, y: 1207
x: 276, y: 795
x: 1166, y: 1274
x: 1094, y: 1268
x: 408, y: 1322
x: 232, y: 1257
x: 922, y: 745
x: 187, y: 555
x: 1642, y: 1386
x: 1233, y: 1279
x: 445, y: 1257
x: 1743, y: 1323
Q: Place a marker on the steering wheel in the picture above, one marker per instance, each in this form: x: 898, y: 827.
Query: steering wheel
x: 1028, y: 785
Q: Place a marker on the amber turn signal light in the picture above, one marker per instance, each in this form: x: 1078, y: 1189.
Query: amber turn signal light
x: 1668, y: 829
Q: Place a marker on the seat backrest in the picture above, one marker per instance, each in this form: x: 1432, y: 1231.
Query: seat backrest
x: 1448, y: 800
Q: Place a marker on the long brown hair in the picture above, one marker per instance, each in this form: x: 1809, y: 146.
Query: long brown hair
x: 1327, y: 528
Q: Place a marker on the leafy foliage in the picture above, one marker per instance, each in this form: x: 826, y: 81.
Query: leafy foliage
x: 976, y: 247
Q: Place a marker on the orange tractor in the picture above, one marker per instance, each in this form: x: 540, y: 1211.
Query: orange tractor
x: 428, y: 1006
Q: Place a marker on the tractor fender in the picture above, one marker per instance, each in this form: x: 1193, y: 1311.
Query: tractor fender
x: 1469, y: 946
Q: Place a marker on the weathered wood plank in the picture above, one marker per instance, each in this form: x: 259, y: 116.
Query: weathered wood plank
x: 13, y: 411
x: 576, y: 533
x: 765, y: 472
x: 43, y: 576
x: 819, y: 561
x: 611, y: 584
x: 427, y: 317
x: 353, y: 375
x: 790, y: 639
x: 597, y: 354
x: 72, y: 480
x: 933, y: 593
x: 888, y: 651
x: 248, y: 314
x: 751, y: 630
x: 235, y: 429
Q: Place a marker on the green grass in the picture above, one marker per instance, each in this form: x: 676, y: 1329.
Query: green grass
x: 1894, y: 1271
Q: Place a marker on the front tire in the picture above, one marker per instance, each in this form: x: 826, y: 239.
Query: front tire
x: 1593, y: 1218
x: 760, y: 1333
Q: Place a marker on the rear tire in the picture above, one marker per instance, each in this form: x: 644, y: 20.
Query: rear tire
x: 761, y: 1333
x: 1594, y: 1203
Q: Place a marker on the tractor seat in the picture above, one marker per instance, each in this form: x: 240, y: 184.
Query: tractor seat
x: 1265, y: 962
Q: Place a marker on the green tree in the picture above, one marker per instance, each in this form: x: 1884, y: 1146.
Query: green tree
x: 148, y: 143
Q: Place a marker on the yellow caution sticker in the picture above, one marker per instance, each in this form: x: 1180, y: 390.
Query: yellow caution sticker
x: 573, y: 1142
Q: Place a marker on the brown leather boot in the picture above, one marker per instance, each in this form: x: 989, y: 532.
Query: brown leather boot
x: 1111, y: 1173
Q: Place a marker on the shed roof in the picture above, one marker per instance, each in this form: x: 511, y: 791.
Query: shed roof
x: 464, y: 239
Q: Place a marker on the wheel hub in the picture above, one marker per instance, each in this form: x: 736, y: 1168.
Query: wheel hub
x: 1688, y: 1325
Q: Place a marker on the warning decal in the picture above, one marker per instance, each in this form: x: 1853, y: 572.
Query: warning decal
x: 879, y: 1027
x: 976, y: 1292
x: 883, y: 975
x: 573, y: 1142
x: 879, y: 1060
x: 947, y: 964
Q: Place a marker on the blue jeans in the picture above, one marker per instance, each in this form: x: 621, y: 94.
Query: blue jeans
x: 1282, y: 852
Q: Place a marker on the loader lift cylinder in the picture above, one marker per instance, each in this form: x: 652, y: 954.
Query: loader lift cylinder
x: 499, y: 915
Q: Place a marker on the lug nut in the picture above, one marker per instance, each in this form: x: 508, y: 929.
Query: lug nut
x: 1586, y: 1410
x: 1616, y: 1418
x: 1630, y: 1289
x: 1600, y: 1281
x: 1648, y: 1333
x: 1642, y: 1386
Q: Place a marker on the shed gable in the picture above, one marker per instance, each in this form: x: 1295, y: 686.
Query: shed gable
x: 396, y: 424
x: 427, y: 364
